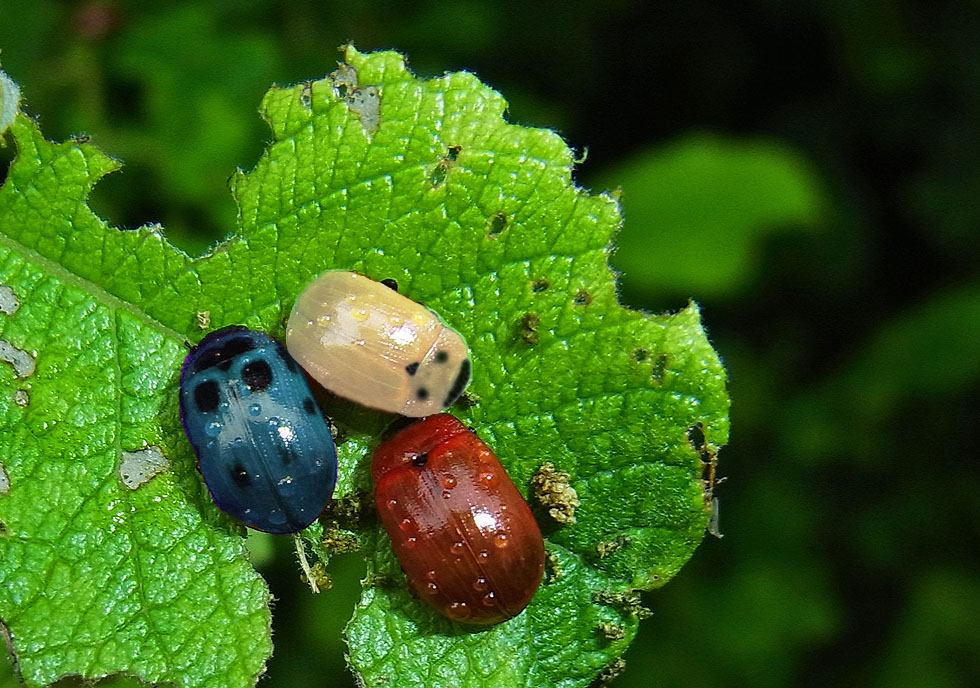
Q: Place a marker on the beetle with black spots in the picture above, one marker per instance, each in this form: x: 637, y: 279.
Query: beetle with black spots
x: 262, y: 444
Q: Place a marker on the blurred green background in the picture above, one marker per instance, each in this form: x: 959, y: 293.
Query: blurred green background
x: 809, y: 172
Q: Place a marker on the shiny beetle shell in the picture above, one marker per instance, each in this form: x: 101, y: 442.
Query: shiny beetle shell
x: 463, y: 534
x: 366, y: 342
x: 262, y: 443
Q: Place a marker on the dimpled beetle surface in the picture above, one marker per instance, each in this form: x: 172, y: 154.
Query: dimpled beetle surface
x: 262, y: 443
x: 463, y: 534
x: 366, y: 342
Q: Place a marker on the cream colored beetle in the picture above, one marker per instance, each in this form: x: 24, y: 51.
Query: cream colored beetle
x: 366, y: 342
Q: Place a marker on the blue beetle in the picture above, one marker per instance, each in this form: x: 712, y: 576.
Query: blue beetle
x: 262, y: 443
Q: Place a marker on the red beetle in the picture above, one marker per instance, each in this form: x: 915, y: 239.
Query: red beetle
x: 464, y: 535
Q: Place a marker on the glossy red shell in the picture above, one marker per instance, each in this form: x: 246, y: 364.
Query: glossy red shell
x: 464, y: 535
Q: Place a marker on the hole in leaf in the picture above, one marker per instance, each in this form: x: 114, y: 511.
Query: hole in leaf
x: 138, y: 467
x: 22, y: 361
x: 9, y: 303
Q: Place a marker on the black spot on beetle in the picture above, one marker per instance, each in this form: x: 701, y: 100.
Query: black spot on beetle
x: 257, y: 375
x: 420, y: 460
x: 422, y: 394
x: 459, y: 384
x: 288, y: 453
x: 207, y: 396
x: 240, y: 475
x: 442, y: 356
x: 390, y: 283
x: 221, y: 355
x: 236, y: 347
x: 290, y: 362
x: 412, y: 368
x: 309, y: 406
x: 206, y: 359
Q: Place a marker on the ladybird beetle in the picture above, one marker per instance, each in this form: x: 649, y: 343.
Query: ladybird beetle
x: 364, y: 341
x: 462, y: 532
x: 262, y: 443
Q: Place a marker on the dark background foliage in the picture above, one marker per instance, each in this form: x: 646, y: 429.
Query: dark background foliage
x: 808, y: 171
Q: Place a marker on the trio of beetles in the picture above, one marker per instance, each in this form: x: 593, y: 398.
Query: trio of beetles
x: 462, y: 532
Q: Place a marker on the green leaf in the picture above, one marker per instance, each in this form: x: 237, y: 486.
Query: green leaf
x: 702, y: 204
x: 372, y: 170
x: 97, y: 578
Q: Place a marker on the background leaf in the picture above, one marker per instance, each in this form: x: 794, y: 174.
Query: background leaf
x: 705, y: 203
x: 474, y: 217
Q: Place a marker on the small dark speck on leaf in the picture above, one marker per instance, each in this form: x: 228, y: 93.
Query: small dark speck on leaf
x: 659, y: 370
x: 528, y: 328
x: 496, y: 224
x: 582, y: 298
